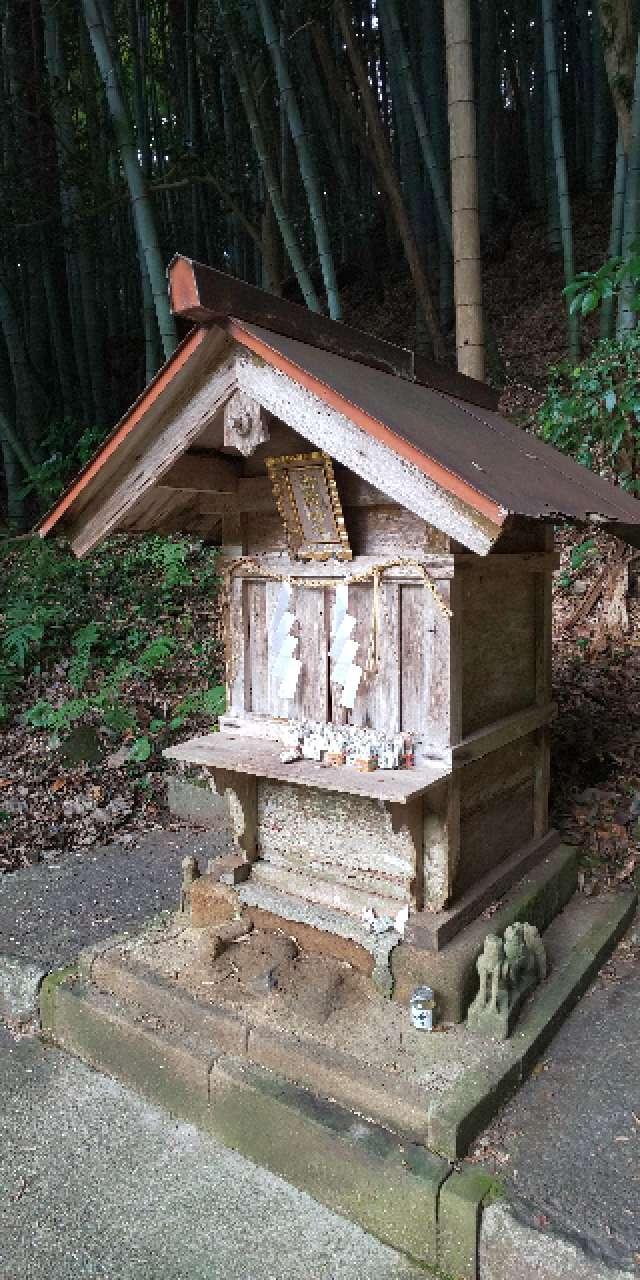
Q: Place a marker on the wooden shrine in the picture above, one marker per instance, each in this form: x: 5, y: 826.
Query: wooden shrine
x: 344, y: 477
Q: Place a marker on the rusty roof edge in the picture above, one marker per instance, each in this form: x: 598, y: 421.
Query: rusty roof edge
x: 483, y: 507
x: 209, y: 296
x: 543, y: 461
x: 177, y: 360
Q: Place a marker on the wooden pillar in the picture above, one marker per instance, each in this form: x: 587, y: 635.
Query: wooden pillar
x: 543, y: 641
x: 441, y: 841
x: 240, y: 790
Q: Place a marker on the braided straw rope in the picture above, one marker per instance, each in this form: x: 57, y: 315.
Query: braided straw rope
x: 374, y: 572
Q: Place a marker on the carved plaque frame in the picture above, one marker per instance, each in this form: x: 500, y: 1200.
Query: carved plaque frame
x: 307, y: 499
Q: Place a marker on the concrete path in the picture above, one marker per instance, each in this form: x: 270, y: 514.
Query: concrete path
x: 96, y: 1183
x: 49, y: 911
x: 568, y: 1144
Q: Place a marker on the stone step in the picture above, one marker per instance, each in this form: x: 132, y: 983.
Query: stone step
x: 327, y: 892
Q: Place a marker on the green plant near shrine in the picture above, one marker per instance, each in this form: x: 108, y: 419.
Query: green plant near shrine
x: 131, y: 627
x: 592, y: 409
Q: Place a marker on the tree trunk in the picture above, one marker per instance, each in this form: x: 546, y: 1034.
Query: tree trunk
x: 487, y: 95
x: 388, y: 179
x: 628, y: 318
x: 287, y: 232
x: 618, y: 43
x: 426, y: 146
x: 141, y: 206
x: 560, y: 161
x: 305, y: 156
x: 601, y: 112
x: 467, y: 264
x: 615, y: 237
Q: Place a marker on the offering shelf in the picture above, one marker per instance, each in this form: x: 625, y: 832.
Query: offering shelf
x: 261, y: 758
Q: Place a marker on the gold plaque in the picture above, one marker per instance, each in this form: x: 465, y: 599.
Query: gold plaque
x: 305, y: 491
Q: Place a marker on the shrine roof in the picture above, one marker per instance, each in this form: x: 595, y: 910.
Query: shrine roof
x: 441, y: 423
x: 511, y: 468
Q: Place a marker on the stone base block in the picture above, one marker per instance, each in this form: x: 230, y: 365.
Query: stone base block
x: 361, y: 1170
x: 212, y: 902
x: 451, y: 973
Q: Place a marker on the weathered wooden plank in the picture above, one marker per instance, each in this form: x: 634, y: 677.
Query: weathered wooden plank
x: 174, y: 395
x: 385, y: 531
x: 415, y: 651
x: 489, y: 834
x: 241, y: 794
x: 438, y: 567
x: 257, y: 662
x: 499, y: 661
x: 203, y: 473
x: 236, y: 632
x: 365, y: 455
x: 262, y: 759
x: 265, y: 533
x: 360, y: 607
x: 441, y: 842
x: 276, y: 705
x: 515, y: 562
x: 443, y: 637
x: 253, y: 494
x: 384, y: 684
x: 172, y: 440
x: 504, y: 731
x: 234, y: 535
x: 312, y: 694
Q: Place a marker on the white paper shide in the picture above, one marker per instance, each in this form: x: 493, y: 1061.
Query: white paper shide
x: 344, y: 669
x: 283, y: 646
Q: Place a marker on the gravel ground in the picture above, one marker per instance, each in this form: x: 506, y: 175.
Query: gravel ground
x: 48, y: 912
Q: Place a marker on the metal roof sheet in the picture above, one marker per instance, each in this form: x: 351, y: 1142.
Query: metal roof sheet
x: 504, y: 463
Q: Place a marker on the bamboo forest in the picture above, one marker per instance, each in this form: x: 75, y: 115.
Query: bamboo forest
x: 316, y: 150
x: 319, y: 639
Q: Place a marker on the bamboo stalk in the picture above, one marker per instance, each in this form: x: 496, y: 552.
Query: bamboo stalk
x: 467, y: 262
x: 141, y: 205
x: 627, y: 316
x: 305, y: 156
x: 560, y: 161
x: 287, y: 232
x: 387, y: 176
x: 424, y: 137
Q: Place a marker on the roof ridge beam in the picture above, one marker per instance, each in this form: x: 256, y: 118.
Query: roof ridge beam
x: 206, y: 296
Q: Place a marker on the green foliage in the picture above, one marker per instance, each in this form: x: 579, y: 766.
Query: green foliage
x: 45, y: 716
x: 65, y: 449
x: 111, y: 633
x: 140, y: 751
x: 591, y: 288
x: 82, y: 644
x: 592, y: 410
x: 582, y: 553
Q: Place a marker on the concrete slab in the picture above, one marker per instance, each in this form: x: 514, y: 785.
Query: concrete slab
x: 507, y: 1241
x: 568, y: 1144
x: 435, y: 1090
x: 20, y: 982
x: 383, y: 1182
x: 96, y: 1182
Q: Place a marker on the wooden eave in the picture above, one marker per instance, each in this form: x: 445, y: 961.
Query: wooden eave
x: 460, y: 457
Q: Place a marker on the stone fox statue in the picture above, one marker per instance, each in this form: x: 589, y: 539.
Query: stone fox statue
x: 508, y: 968
x: 490, y: 966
